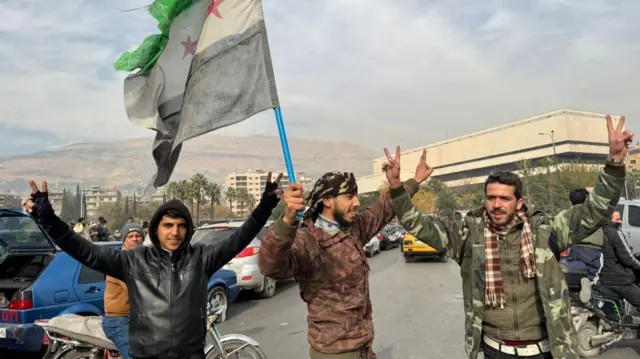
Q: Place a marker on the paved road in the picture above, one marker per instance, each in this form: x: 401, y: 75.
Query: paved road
x: 417, y: 313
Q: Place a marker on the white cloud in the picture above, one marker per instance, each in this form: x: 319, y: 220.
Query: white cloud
x: 371, y: 72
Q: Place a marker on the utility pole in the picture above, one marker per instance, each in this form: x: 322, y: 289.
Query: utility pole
x: 553, y: 143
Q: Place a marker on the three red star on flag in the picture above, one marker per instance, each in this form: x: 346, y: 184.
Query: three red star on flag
x: 213, y: 8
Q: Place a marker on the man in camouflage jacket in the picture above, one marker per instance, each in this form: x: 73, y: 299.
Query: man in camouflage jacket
x: 326, y: 255
x: 516, y: 299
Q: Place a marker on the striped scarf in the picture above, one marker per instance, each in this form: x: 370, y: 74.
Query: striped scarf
x: 494, y: 288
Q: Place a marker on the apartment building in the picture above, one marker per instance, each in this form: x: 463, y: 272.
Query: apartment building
x: 254, y: 183
x: 56, y: 198
x: 96, y: 196
x: 10, y: 201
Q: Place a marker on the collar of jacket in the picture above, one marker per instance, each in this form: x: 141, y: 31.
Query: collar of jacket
x: 324, y: 239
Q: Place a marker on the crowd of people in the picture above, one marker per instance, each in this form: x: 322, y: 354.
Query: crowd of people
x: 516, y: 301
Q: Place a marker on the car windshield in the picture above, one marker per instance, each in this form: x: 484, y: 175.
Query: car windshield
x: 19, y: 231
x: 209, y: 236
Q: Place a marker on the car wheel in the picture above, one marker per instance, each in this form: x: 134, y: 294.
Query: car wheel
x: 218, y: 297
x: 268, y: 288
x: 443, y: 257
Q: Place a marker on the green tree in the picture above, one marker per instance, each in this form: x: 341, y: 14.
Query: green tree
x: 215, y: 192
x: 231, y: 195
x: 116, y: 215
x: 134, y: 206
x: 198, y: 188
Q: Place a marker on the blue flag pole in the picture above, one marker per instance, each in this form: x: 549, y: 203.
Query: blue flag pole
x: 285, y: 150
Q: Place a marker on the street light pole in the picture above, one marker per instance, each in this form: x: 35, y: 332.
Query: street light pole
x: 553, y: 143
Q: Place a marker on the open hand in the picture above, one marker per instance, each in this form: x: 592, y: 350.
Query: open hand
x: 391, y: 168
x: 294, y: 202
x: 619, y: 140
x: 423, y: 170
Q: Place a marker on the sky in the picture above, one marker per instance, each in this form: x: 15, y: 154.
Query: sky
x: 374, y: 73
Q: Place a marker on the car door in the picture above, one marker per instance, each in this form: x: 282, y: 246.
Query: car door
x: 631, y: 225
x: 89, y: 285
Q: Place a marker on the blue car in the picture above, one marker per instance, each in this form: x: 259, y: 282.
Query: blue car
x: 39, y: 281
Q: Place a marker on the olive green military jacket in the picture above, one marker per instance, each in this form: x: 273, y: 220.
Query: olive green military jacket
x: 571, y: 226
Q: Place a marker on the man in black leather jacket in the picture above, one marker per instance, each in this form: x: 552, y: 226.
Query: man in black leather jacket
x: 167, y: 282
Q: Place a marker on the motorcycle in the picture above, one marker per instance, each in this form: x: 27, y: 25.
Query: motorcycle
x: 72, y: 336
x: 604, y: 319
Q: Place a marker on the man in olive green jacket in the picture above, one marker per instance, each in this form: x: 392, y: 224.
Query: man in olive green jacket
x: 516, y: 300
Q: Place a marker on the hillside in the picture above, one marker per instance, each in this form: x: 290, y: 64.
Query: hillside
x: 129, y: 163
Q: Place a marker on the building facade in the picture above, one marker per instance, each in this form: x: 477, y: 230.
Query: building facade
x: 568, y: 135
x: 96, y: 196
x: 254, y: 182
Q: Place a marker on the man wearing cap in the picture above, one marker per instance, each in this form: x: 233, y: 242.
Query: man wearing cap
x: 326, y: 255
x: 116, y: 297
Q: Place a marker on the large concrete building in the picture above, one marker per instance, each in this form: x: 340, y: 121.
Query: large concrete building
x: 570, y: 135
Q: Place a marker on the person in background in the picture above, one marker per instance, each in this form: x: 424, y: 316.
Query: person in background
x: 103, y: 231
x: 82, y: 229
x: 116, y: 297
x: 130, y: 220
x: 588, y: 251
x: 620, y: 265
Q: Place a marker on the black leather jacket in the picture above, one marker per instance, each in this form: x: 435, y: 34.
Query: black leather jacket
x: 167, y: 290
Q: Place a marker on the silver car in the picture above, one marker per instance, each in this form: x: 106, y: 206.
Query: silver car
x: 245, y: 264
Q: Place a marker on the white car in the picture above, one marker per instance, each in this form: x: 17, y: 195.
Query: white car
x: 372, y: 247
x: 245, y: 264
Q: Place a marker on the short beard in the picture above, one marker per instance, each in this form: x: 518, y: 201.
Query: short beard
x: 339, y: 217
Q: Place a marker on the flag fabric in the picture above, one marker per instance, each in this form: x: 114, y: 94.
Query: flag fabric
x: 209, y: 68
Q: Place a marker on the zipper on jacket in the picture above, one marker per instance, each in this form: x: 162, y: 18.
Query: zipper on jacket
x: 173, y: 277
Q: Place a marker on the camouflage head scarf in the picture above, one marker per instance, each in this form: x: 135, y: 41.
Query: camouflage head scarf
x: 330, y: 185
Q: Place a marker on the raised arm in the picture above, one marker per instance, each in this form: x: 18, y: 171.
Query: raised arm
x: 281, y: 256
x: 381, y: 212
x: 111, y: 262
x: 578, y: 222
x: 427, y: 229
x: 221, y: 252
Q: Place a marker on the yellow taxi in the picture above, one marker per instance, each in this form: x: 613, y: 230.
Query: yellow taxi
x: 413, y: 248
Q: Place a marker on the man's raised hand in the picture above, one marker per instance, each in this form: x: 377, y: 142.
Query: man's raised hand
x: 423, y: 170
x: 619, y: 140
x: 391, y: 168
x: 294, y: 202
x: 272, y: 192
x: 36, y: 194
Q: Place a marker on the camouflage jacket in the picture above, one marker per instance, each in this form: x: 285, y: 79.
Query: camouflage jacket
x: 333, y: 275
x: 571, y: 226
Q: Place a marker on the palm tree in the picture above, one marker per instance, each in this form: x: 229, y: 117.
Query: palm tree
x: 242, y: 196
x: 198, y: 187
x: 215, y: 192
x: 172, y: 190
x: 231, y: 195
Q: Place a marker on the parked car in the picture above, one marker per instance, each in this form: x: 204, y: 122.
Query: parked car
x: 413, y: 248
x: 245, y: 264
x: 391, y: 236
x: 372, y: 247
x: 630, y: 212
x: 39, y: 281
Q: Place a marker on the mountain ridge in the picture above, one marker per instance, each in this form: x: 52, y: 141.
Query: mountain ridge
x: 128, y: 163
